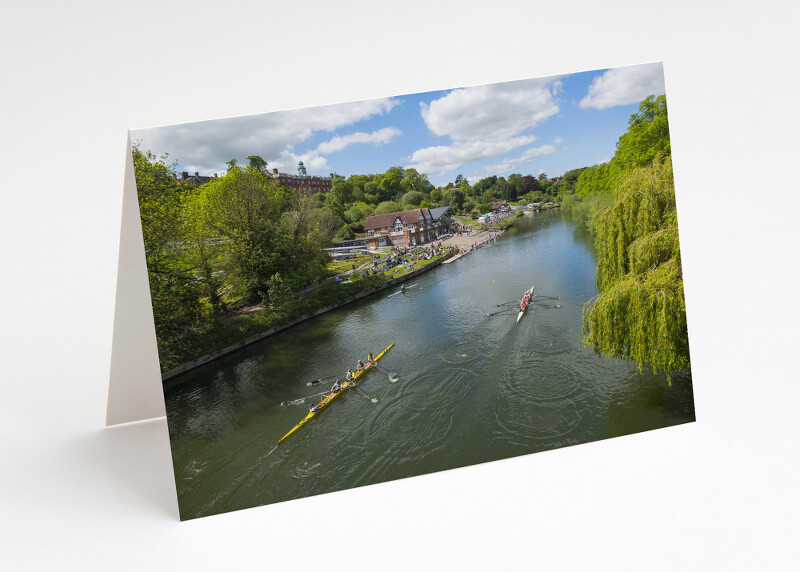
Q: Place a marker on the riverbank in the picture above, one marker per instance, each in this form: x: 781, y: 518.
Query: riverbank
x: 469, y: 242
x: 175, y: 375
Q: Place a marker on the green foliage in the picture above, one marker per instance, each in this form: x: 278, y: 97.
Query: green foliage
x: 455, y: 198
x: 640, y: 312
x: 412, y: 199
x: 358, y: 212
x: 342, y: 190
x: 582, y: 208
x: 175, y: 293
x: 238, y: 238
x: 646, y: 140
x: 257, y: 163
x: 598, y: 179
x: 647, y: 137
x: 278, y: 292
x: 570, y: 180
x: 388, y: 207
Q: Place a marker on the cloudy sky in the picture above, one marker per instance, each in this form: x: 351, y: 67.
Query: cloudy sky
x: 529, y: 126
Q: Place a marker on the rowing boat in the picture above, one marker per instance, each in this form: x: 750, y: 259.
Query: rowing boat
x: 324, y: 403
x: 523, y: 305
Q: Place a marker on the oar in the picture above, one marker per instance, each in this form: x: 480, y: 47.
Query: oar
x: 316, y: 381
x: 364, y: 393
x: 548, y: 297
x: 392, y: 374
x: 507, y: 311
x: 300, y: 400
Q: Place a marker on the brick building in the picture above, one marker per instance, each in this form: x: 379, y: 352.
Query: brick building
x: 405, y: 228
x: 307, y: 185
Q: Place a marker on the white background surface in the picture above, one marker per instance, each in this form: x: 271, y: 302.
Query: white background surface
x: 719, y: 493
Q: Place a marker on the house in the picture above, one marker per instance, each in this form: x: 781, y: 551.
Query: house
x: 440, y: 216
x: 406, y: 228
x: 307, y: 185
x: 499, y: 206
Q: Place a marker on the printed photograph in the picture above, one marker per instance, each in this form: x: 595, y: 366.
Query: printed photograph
x: 357, y: 293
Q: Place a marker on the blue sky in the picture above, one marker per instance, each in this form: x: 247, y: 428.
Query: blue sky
x: 549, y: 125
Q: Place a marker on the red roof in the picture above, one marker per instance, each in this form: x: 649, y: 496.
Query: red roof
x: 375, y: 222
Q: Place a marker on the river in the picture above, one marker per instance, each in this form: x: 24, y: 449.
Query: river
x: 470, y: 388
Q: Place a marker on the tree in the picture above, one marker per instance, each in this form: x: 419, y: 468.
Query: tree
x: 570, y: 179
x: 484, y: 185
x: 457, y: 182
x: 231, y: 164
x: 371, y: 192
x: 243, y: 206
x: 640, y: 311
x: 390, y: 184
x: 413, y: 198
x: 647, y: 137
x: 388, y: 207
x: 455, y: 198
x: 515, y: 180
x: 342, y: 189
x: 358, y: 213
x: 416, y: 181
x: 529, y: 184
x: 256, y: 162
x: 171, y: 270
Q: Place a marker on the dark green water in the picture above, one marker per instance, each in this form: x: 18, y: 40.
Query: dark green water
x: 471, y: 388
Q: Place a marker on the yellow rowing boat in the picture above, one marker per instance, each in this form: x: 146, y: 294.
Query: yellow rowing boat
x: 324, y: 403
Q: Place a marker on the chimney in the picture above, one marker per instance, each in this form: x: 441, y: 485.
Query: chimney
x: 196, y: 174
x: 184, y: 175
x: 275, y: 171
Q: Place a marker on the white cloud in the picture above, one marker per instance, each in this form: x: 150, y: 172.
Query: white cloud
x: 493, y: 111
x: 510, y: 164
x: 623, y: 86
x: 338, y: 143
x: 206, y: 146
x: 484, y: 121
x: 438, y: 160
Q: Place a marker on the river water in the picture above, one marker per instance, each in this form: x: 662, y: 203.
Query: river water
x: 469, y: 388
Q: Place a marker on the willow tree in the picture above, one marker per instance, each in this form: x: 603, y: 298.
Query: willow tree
x: 640, y: 311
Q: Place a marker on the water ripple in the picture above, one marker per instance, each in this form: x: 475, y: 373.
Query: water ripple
x: 461, y: 353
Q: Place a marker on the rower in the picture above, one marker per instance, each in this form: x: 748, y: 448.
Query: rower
x: 360, y: 365
x: 336, y: 386
x: 348, y: 376
x: 370, y: 357
x: 316, y: 407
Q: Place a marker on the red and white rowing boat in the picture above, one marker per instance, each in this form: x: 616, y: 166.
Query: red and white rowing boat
x: 526, y: 301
